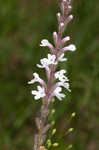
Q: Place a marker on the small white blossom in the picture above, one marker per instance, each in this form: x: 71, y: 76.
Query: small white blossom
x: 46, y: 62
x: 36, y: 78
x: 60, y: 75
x: 44, y: 43
x: 40, y: 93
x: 65, y: 85
x: 58, y: 94
x: 61, y: 58
x: 51, y: 59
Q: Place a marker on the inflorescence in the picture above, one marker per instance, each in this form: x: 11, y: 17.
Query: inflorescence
x: 56, y: 80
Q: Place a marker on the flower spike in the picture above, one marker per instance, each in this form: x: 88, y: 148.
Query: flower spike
x: 56, y: 80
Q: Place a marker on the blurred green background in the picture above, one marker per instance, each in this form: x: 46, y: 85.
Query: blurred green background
x: 23, y: 24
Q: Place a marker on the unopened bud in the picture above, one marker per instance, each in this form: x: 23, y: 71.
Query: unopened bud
x: 61, y: 26
x: 49, y: 143
x: 52, y: 123
x: 73, y: 115
x: 53, y: 111
x: 71, y: 17
x: 58, y: 14
x: 53, y: 100
x: 55, y: 144
x: 55, y: 37
x: 59, y: 17
x: 70, y: 129
x: 53, y: 131
x: 40, y: 121
x: 69, y: 8
x: 64, y: 40
x: 69, y: 147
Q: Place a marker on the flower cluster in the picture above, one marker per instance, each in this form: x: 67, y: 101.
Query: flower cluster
x: 56, y: 55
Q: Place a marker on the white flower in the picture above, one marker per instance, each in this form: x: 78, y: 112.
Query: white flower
x: 40, y: 93
x: 71, y: 47
x: 36, y: 79
x: 44, y: 43
x: 51, y: 59
x: 46, y: 62
x: 65, y: 85
x: 58, y: 94
x: 61, y: 58
x: 60, y: 75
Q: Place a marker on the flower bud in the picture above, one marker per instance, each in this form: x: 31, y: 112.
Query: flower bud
x: 59, y: 17
x: 49, y: 143
x: 55, y: 144
x: 52, y: 123
x: 55, y: 37
x: 70, y: 129
x: 64, y: 40
x: 52, y: 111
x: 70, y: 17
x: 53, y: 100
x: 69, y: 8
x: 53, y: 131
x: 40, y: 121
x: 73, y: 115
x: 61, y: 27
x: 69, y: 147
